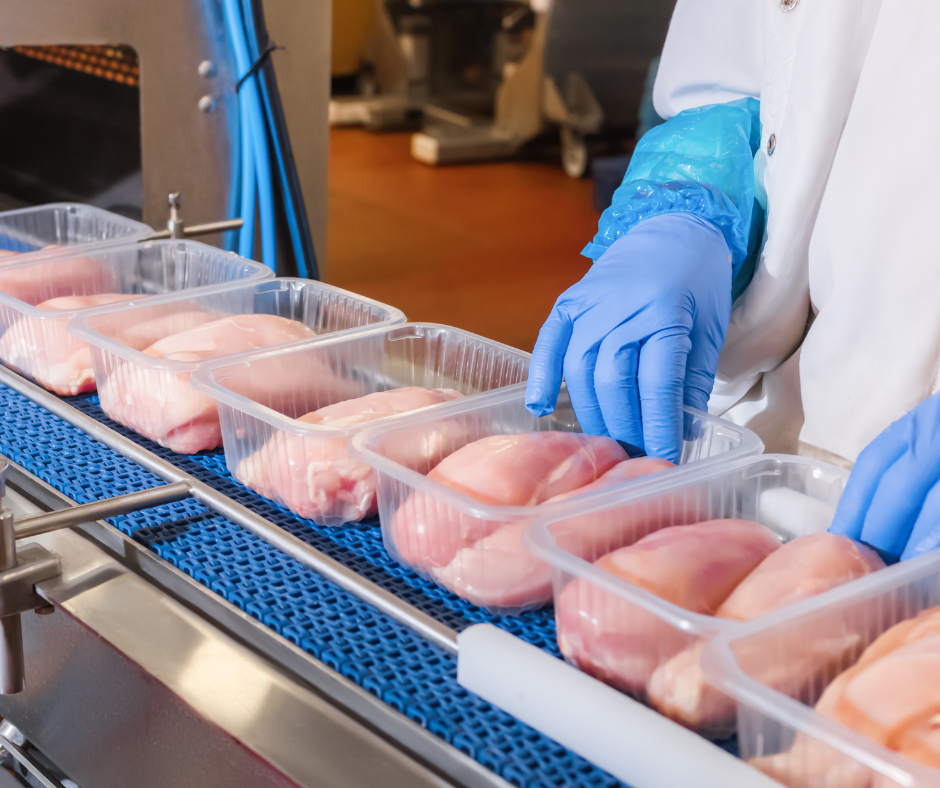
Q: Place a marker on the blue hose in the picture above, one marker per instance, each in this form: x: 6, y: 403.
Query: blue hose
x: 265, y: 186
x: 246, y: 237
x: 294, y: 229
x: 247, y: 201
x: 252, y: 167
x: 256, y: 167
x: 234, y: 205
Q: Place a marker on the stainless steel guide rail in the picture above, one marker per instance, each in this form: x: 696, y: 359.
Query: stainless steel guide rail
x: 439, y: 634
x: 100, y: 510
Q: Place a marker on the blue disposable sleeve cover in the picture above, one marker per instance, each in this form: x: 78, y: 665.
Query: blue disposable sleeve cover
x: 702, y: 162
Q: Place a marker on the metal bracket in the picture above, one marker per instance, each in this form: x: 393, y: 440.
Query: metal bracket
x: 34, y: 564
x: 20, y: 571
x: 176, y: 227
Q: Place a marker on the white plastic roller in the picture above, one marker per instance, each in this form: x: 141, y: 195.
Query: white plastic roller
x: 621, y: 736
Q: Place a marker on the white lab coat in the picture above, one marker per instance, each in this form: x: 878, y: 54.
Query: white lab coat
x: 850, y: 89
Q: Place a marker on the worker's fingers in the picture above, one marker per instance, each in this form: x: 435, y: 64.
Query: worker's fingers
x: 872, y: 464
x: 580, y: 363
x: 897, y: 503
x: 661, y: 377
x: 547, y: 364
x: 616, y: 386
x: 708, y: 338
x: 925, y: 535
x: 700, y: 374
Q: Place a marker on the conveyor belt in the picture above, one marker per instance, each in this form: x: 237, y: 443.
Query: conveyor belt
x: 364, y: 645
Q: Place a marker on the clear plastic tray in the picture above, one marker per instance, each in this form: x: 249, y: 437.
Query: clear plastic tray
x: 477, y: 573
x: 28, y: 231
x: 153, y: 396
x: 792, y: 496
x: 35, y: 342
x: 305, y: 467
x: 777, y: 725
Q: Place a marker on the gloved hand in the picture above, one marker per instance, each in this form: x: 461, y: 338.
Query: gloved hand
x: 640, y: 334
x: 892, y: 500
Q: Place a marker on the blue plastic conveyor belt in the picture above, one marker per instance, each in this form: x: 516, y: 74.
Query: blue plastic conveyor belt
x: 350, y: 636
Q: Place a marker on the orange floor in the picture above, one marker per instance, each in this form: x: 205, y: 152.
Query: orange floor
x: 486, y: 248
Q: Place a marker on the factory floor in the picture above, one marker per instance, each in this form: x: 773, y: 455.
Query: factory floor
x: 483, y: 247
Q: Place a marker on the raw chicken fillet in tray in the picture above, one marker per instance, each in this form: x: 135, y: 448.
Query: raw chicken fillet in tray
x: 289, y: 441
x: 38, y: 299
x: 844, y: 694
x: 644, y: 579
x: 456, y: 511
x: 146, y: 385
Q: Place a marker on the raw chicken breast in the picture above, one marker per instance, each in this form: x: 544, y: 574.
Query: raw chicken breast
x: 139, y: 329
x: 891, y: 695
x: 163, y: 406
x: 42, y: 281
x: 500, y: 470
x: 802, y: 568
x: 44, y: 351
x: 498, y: 573
x: 693, y: 566
x: 315, y: 477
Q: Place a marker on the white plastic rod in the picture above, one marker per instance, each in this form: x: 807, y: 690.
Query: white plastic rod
x: 623, y: 737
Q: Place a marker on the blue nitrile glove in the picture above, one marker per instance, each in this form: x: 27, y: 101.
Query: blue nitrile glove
x: 640, y: 334
x: 892, y: 500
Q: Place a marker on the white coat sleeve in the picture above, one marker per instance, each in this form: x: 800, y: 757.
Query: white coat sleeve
x: 713, y: 54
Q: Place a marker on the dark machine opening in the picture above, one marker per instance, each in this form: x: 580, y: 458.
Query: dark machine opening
x: 70, y: 127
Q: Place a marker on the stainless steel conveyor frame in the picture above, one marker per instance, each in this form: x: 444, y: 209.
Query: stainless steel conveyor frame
x: 130, y: 625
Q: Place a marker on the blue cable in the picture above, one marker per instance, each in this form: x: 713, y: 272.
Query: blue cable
x: 293, y: 227
x: 231, y: 237
x: 247, y: 202
x: 252, y: 163
x: 263, y: 175
x: 292, y: 224
x: 256, y: 166
x: 246, y: 237
x: 260, y: 142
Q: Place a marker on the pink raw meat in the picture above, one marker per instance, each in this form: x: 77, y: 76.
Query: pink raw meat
x: 141, y: 328
x: 695, y: 567
x: 498, y: 573
x: 42, y: 349
x: 891, y: 695
x: 500, y: 470
x: 802, y: 568
x: 314, y: 476
x: 42, y: 281
x: 163, y: 406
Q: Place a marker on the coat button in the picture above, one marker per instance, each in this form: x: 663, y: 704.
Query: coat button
x: 771, y: 144
x: 788, y: 5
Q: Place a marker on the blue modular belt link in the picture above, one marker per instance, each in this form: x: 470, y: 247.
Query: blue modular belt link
x: 335, y: 627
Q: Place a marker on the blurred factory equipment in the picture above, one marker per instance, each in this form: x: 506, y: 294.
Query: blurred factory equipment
x: 118, y: 105
x: 484, y: 77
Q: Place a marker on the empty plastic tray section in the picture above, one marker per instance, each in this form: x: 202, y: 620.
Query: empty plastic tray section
x: 652, y: 647
x: 305, y: 467
x: 477, y: 572
x: 30, y: 231
x: 779, y: 731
